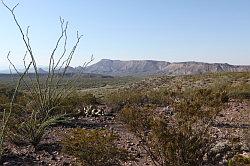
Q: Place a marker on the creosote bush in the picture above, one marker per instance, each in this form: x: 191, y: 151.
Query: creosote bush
x: 127, y: 97
x: 94, y: 147
x: 89, y: 99
x: 239, y: 160
x: 123, y: 98
x: 75, y: 102
x: 240, y: 91
x: 139, y: 120
x: 181, y: 138
x: 6, y: 95
x: 78, y: 99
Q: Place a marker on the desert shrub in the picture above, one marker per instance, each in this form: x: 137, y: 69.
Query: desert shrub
x: 76, y: 99
x: 180, y: 139
x: 239, y: 160
x: 166, y: 141
x: 19, y: 103
x: 114, y: 98
x: 7, y: 105
x: 70, y: 104
x: 3, y: 101
x: 161, y: 97
x: 240, y: 91
x: 46, y: 91
x: 236, y: 84
x: 246, y: 135
x: 156, y: 97
x: 75, y: 102
x: 138, y: 119
x: 200, y: 104
x: 32, y: 130
x: 89, y: 99
x: 94, y: 147
x: 135, y: 97
x: 121, y: 98
x: 178, y: 145
x: 6, y: 94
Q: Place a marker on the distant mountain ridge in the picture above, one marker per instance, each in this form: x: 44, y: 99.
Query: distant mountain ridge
x: 151, y: 67
x: 148, y: 67
x: 133, y: 67
x: 40, y: 70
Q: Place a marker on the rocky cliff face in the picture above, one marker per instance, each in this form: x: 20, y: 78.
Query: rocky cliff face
x: 147, y: 67
x: 133, y: 67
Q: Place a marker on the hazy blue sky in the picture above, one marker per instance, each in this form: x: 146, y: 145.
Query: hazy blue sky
x: 170, y: 30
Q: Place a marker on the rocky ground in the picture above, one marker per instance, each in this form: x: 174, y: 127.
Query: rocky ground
x: 231, y: 131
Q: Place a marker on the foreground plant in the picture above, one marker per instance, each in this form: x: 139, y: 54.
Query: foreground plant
x: 180, y: 138
x: 7, y: 114
x: 33, y: 130
x: 94, y: 147
x: 46, y: 92
x: 239, y: 160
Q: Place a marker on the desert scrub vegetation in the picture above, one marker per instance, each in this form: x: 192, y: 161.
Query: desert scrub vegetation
x: 7, y: 114
x: 48, y: 101
x: 236, y: 84
x: 90, y: 99
x: 181, y: 137
x: 32, y: 130
x: 125, y: 97
x: 45, y: 93
x: 132, y: 96
x: 239, y: 160
x: 94, y: 147
x: 77, y: 100
x: 240, y: 91
x: 6, y: 94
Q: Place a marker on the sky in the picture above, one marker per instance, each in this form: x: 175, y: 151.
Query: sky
x: 168, y: 30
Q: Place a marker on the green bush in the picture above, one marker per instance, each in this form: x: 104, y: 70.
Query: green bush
x: 121, y: 98
x: 89, y: 99
x: 182, y: 138
x: 239, y: 160
x: 139, y: 120
x: 32, y: 130
x: 161, y: 97
x: 6, y: 96
x: 199, y: 104
x: 46, y: 91
x: 94, y: 147
x: 167, y: 142
x: 240, y: 91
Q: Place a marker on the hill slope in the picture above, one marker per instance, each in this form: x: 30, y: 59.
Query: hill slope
x: 147, y: 67
x: 150, y: 67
